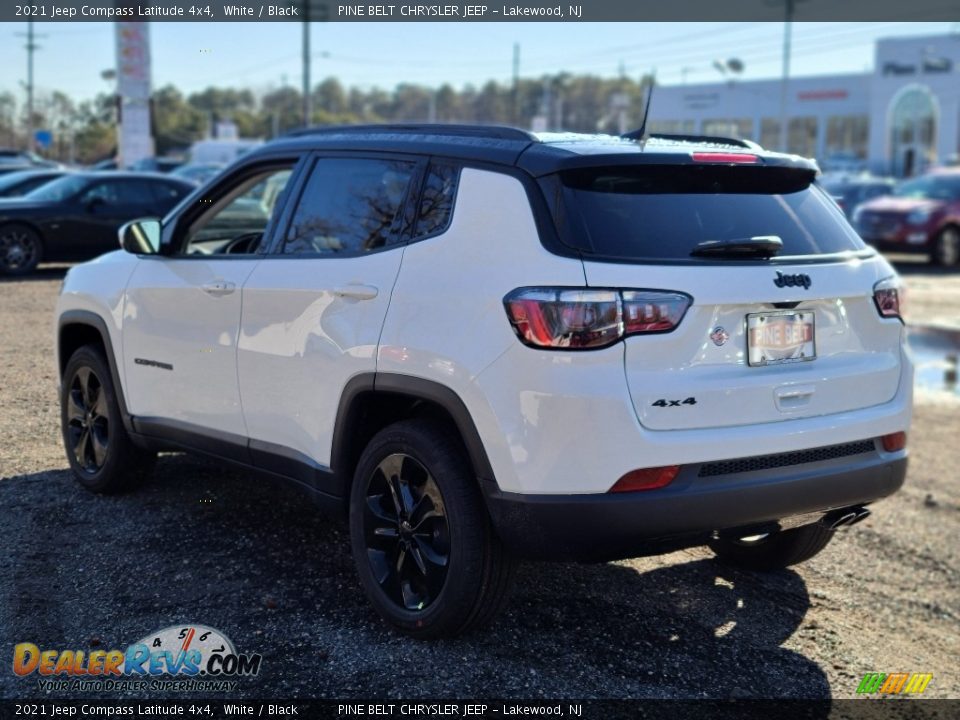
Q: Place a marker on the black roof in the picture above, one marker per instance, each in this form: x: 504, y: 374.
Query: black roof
x: 538, y: 154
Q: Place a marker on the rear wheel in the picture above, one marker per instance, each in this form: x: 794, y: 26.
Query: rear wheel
x: 20, y: 249
x: 774, y: 551
x: 101, y: 454
x: 422, y: 541
x: 946, y: 248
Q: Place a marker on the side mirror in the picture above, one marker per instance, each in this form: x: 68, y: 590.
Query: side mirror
x: 141, y: 237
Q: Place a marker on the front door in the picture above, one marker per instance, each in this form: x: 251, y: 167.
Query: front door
x: 182, y: 314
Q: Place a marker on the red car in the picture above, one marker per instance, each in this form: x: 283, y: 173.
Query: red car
x: 921, y: 216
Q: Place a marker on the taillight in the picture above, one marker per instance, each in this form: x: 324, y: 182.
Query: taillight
x: 888, y: 297
x: 646, y: 479
x: 584, y: 319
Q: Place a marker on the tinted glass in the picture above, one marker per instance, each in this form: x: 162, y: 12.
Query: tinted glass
x: 60, y: 189
x: 349, y: 205
x: 932, y: 187
x: 663, y: 212
x: 167, y: 194
x: 436, y: 202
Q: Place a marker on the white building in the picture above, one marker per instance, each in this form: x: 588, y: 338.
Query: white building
x: 899, y: 119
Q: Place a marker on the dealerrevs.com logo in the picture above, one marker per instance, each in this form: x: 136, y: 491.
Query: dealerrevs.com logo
x: 178, y: 658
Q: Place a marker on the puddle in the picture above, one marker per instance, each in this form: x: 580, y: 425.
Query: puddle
x: 936, y: 354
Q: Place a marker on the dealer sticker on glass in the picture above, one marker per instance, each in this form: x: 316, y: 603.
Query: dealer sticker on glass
x: 780, y: 337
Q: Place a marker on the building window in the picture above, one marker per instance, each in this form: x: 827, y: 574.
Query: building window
x: 741, y: 128
x: 913, y: 121
x: 770, y: 133
x: 672, y: 127
x: 803, y: 136
x: 847, y: 136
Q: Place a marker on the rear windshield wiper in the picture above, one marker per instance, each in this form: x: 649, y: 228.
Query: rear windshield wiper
x: 760, y: 246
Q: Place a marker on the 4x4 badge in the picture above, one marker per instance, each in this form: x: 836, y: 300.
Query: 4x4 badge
x: 798, y: 280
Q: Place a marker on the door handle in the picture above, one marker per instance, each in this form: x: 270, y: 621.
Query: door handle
x: 218, y: 287
x: 357, y: 292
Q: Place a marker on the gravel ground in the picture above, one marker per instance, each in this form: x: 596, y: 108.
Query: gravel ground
x: 202, y: 543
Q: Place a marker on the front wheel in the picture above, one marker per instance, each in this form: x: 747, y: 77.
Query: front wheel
x: 946, y: 248
x: 775, y: 551
x: 101, y: 454
x: 20, y: 249
x: 422, y: 541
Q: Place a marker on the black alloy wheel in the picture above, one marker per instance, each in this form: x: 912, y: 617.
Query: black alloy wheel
x: 20, y: 250
x: 406, y: 532
x: 423, y: 544
x: 88, y: 420
x: 101, y: 454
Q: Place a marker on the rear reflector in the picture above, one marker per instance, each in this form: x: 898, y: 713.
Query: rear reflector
x: 894, y: 442
x: 646, y: 479
x: 723, y: 157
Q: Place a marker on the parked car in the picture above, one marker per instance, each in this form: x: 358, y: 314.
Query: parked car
x: 11, y: 157
x: 76, y: 216
x: 197, y: 173
x: 478, y: 344
x: 851, y: 190
x: 156, y: 164
x: 17, y: 184
x: 921, y: 216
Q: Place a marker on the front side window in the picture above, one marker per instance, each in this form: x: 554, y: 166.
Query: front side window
x: 236, y: 222
x: 349, y: 206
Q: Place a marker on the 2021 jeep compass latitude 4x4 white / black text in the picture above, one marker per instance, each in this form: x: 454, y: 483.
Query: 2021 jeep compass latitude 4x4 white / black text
x: 480, y: 345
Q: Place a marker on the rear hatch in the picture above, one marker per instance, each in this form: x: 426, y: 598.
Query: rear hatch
x: 783, y: 322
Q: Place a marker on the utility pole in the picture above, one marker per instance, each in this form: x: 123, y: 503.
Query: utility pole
x: 790, y: 7
x: 307, y: 100
x: 31, y: 47
x: 515, y: 96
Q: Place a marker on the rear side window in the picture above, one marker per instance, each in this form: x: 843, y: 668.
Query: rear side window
x: 436, y: 201
x: 349, y: 206
x: 661, y: 213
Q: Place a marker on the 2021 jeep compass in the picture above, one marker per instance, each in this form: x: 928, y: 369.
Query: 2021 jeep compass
x: 481, y: 344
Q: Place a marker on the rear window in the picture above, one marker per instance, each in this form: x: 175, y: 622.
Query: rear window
x: 663, y: 212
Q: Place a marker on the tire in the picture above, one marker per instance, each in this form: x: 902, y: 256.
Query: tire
x: 20, y: 249
x: 100, y: 453
x: 776, y: 551
x: 452, y: 576
x: 946, y: 248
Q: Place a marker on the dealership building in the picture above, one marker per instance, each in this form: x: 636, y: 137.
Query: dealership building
x: 900, y: 119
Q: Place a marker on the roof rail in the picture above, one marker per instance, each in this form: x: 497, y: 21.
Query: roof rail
x: 715, y: 139
x: 493, y: 132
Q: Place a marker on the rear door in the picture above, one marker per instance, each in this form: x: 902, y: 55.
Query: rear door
x: 314, y: 308
x: 766, y: 339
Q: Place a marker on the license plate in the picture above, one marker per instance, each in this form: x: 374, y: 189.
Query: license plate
x: 780, y: 337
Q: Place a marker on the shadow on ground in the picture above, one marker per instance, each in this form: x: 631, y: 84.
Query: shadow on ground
x: 204, y: 544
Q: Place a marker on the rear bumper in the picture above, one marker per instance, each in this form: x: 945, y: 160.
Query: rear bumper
x: 689, y: 510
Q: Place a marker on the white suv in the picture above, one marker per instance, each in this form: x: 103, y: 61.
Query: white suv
x: 484, y: 345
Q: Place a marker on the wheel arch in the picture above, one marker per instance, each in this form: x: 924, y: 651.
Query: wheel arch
x: 76, y: 328
x: 372, y: 401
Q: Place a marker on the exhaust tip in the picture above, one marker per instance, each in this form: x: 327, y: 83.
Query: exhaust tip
x: 845, y: 517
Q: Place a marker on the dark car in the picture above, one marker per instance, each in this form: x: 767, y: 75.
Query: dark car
x: 921, y: 216
x: 17, y: 184
x: 851, y: 191
x: 76, y: 217
x: 197, y: 173
x: 157, y: 164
